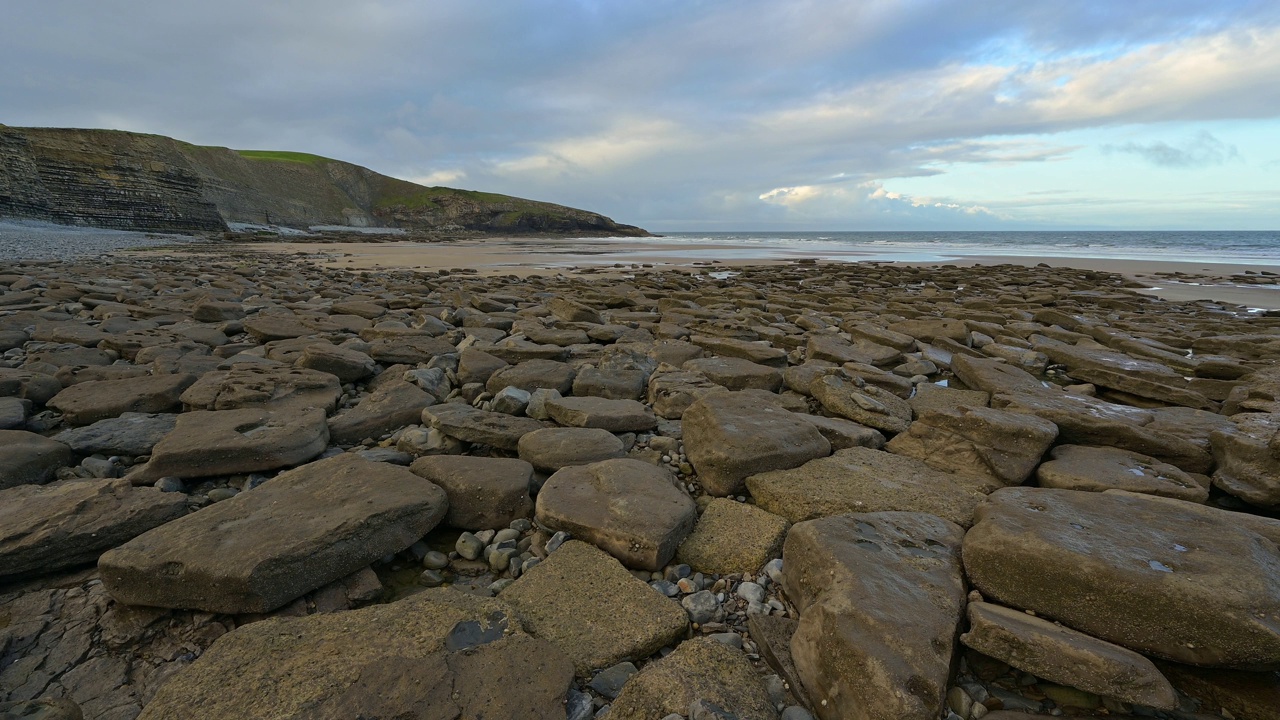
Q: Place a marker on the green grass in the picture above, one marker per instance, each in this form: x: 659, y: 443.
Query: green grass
x: 417, y: 199
x: 283, y: 156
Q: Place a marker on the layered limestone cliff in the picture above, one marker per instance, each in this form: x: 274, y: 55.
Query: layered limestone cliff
x: 121, y: 180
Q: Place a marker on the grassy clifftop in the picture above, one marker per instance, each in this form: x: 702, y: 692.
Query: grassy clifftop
x: 150, y: 182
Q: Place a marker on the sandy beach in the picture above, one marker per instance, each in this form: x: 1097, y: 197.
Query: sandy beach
x: 1179, y: 281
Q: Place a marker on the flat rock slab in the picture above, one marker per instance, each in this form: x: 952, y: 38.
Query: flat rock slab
x: 28, y: 385
x: 400, y: 660
x: 225, y: 442
x: 880, y: 596
x: 595, y: 611
x: 761, y: 353
x: 1248, y: 464
x: 867, y: 405
x: 388, y: 408
x: 628, y: 508
x: 533, y: 375
x: 270, y: 388
x: 49, y: 527
x: 88, y: 402
x: 997, y: 445
x: 602, y: 413
x: 550, y: 449
x: 699, y: 669
x: 1084, y: 420
x: 263, y: 548
x: 733, y: 537
x: 28, y: 458
x: 484, y: 493
x: 737, y: 373
x: 1162, y: 577
x: 844, y: 434
x: 864, y: 480
x: 1065, y: 656
x: 728, y: 436
x: 346, y: 364
x: 130, y: 434
x: 474, y: 425
x: 671, y: 393
x: 1098, y: 469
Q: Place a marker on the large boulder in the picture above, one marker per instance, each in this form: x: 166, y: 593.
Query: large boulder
x: 1062, y: 655
x: 49, y: 527
x: 28, y: 458
x: 1173, y: 579
x: 860, y: 480
x: 729, y: 436
x: 263, y: 548
x: 1098, y: 469
x: 438, y: 654
x: 88, y: 402
x: 286, y: 389
x: 1000, y: 446
x: 586, y: 603
x: 483, y: 492
x: 628, y: 508
x: 28, y: 385
x: 1248, y: 458
x: 880, y: 596
x: 225, y: 442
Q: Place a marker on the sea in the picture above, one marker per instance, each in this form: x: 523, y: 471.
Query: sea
x: 1234, y: 247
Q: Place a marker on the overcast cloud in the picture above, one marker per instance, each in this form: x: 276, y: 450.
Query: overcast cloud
x: 694, y: 115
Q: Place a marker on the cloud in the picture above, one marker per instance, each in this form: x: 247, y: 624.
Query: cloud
x: 1202, y: 150
x: 664, y: 113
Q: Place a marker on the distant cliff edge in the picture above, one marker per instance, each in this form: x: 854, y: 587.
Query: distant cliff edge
x: 131, y: 181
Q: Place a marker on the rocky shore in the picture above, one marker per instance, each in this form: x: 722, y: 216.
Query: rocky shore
x: 251, y: 487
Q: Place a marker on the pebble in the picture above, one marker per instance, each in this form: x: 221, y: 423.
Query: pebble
x: 609, y: 682
x: 171, y: 484
x: 701, y: 606
x: 431, y: 578
x: 773, y: 569
x: 751, y: 592
x: 469, y: 546
x: 578, y: 705
x: 220, y: 494
x: 506, y: 534
x: 669, y: 589
x: 556, y: 541
x: 435, y: 560
x: 795, y: 712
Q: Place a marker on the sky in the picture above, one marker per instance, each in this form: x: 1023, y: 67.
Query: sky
x: 701, y: 115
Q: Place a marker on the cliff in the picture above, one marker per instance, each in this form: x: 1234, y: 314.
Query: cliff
x: 122, y: 180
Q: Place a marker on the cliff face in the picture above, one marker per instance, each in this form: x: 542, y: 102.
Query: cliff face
x: 101, y: 179
x: 112, y: 179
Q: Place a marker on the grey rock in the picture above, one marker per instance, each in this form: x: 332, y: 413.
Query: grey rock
x: 130, y: 434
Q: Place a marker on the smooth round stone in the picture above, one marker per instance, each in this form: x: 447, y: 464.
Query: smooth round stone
x: 171, y: 484
x: 499, y: 585
x: 220, y: 494
x: 506, y: 534
x: 521, y: 525
x: 435, y: 560
x: 430, y: 578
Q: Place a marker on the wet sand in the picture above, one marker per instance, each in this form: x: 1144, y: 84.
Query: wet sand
x: 1179, y: 281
